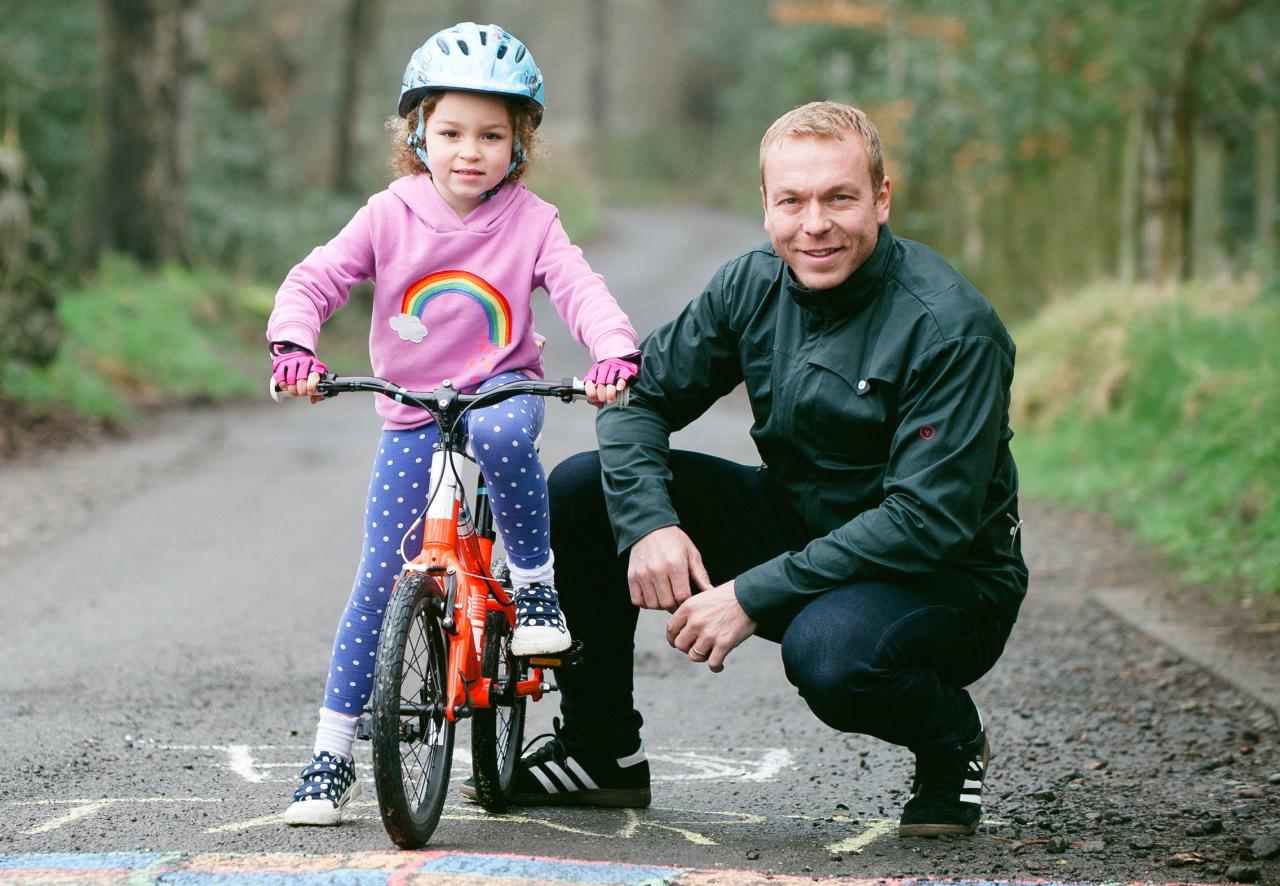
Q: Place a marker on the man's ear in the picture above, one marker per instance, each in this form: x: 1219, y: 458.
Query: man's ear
x: 764, y: 202
x: 882, y: 201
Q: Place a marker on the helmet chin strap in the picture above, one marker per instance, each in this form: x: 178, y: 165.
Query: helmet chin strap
x: 417, y: 141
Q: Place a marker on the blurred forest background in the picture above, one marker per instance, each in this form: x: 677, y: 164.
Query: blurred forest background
x: 1106, y: 171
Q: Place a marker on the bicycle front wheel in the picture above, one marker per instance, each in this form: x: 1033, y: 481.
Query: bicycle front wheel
x: 411, y: 736
x: 497, y: 730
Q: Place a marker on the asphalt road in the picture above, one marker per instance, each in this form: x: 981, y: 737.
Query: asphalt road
x: 169, y: 604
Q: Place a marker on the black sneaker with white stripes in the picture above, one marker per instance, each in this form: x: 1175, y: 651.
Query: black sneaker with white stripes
x: 557, y: 775
x: 946, y: 794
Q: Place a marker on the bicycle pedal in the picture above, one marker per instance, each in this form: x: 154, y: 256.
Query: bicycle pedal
x: 363, y: 729
x: 567, y: 659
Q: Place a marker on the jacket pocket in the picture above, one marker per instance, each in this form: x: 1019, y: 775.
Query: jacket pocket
x: 846, y: 417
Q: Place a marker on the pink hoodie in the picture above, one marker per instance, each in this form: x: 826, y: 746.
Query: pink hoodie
x: 452, y: 297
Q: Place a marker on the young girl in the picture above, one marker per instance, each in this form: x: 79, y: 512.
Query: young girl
x: 455, y: 247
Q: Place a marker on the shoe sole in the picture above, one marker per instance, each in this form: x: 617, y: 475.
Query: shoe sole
x: 937, y: 830
x: 630, y: 798
x: 324, y: 815
x: 950, y: 830
x: 524, y: 651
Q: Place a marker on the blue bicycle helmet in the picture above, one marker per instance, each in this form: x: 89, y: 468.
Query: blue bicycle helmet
x: 477, y: 58
x: 474, y: 58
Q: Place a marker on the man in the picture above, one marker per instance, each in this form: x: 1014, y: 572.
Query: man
x: 879, y: 542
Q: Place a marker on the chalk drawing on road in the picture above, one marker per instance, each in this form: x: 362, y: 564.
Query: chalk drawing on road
x: 695, y: 826
x: 690, y: 824
x: 259, y: 763
x: 84, y: 808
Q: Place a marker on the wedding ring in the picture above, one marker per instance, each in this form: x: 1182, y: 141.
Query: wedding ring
x: 698, y: 652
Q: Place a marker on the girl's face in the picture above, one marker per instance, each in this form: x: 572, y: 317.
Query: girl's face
x: 469, y: 144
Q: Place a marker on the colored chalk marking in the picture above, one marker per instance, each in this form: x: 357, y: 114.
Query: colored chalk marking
x: 328, y: 877
x: 874, y: 830
x: 396, y: 868
x: 80, y: 861
x: 523, y: 868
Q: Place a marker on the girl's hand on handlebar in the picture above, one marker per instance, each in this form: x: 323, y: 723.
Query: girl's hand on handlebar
x: 599, y: 395
x: 608, y: 378
x: 296, y: 370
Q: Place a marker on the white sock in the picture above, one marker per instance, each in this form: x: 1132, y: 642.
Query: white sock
x: 524, y: 576
x: 335, y: 734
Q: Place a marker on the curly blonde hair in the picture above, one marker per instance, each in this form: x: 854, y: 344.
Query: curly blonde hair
x: 405, y: 161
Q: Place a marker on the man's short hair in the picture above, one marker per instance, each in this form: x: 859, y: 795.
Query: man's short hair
x: 828, y: 120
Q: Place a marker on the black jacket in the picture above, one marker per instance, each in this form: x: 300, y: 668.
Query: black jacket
x: 881, y: 406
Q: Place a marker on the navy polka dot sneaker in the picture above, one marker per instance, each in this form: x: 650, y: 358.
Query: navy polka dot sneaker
x: 328, y: 785
x: 540, y: 626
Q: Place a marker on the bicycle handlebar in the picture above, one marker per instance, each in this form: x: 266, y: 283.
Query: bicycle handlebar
x: 447, y: 398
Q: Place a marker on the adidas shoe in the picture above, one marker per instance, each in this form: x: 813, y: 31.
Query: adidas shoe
x: 554, y: 775
x: 946, y: 794
x: 540, y: 627
x: 328, y: 785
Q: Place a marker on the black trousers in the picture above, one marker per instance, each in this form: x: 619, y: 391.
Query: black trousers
x: 888, y: 657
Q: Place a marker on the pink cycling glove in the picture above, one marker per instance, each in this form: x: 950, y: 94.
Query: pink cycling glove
x: 611, y: 370
x: 291, y: 364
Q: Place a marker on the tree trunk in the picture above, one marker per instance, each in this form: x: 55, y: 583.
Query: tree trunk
x: 359, y: 39
x: 597, y: 51
x: 1182, y: 92
x: 29, y: 328
x: 1131, y: 195
x: 1267, y: 135
x: 1208, y: 257
x: 1158, y: 208
x: 150, y: 52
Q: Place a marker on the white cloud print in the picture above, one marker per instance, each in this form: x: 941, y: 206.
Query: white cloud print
x: 408, y: 327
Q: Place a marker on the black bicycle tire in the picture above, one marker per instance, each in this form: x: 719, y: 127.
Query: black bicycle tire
x: 409, y: 821
x: 494, y: 765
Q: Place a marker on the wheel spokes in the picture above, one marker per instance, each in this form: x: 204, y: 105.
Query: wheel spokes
x: 422, y: 687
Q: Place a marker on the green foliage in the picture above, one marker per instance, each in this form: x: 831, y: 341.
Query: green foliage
x: 1161, y: 408
x: 135, y: 338
x: 49, y: 75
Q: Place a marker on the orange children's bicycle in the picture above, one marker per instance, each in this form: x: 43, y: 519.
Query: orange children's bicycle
x: 444, y: 651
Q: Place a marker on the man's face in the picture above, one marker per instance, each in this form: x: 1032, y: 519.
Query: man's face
x: 821, y: 210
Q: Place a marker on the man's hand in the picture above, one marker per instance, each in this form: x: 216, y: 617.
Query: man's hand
x: 660, y: 567
x: 709, y: 626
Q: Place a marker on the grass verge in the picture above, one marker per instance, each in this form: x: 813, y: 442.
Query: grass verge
x: 1160, y: 407
x: 134, y: 339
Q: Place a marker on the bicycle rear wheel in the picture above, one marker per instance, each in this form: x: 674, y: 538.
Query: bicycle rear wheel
x: 497, y: 730
x: 411, y: 736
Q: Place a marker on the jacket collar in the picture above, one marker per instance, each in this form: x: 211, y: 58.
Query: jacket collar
x: 858, y: 289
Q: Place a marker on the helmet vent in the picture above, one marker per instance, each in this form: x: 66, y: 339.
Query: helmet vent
x: 519, y: 55
x: 502, y: 48
x: 484, y: 38
x: 444, y: 47
x: 466, y: 50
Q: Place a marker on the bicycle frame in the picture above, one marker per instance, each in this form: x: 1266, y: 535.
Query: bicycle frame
x: 458, y: 553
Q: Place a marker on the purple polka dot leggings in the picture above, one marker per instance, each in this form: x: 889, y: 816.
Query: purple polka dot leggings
x: 502, y: 439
